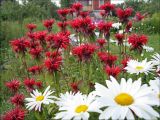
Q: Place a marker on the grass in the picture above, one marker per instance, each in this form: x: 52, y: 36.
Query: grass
x: 12, y: 68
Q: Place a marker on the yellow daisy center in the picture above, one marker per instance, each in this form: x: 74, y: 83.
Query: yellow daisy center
x: 124, y: 99
x: 139, y: 68
x: 39, y: 98
x: 81, y: 108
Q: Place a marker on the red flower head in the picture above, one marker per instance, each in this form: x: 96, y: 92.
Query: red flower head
x: 63, y: 13
x: 112, y: 71
x: 29, y: 83
x: 53, y: 61
x: 71, y: 11
x: 31, y: 27
x: 84, y: 14
x: 124, y: 62
x: 103, y: 13
x: 77, y: 7
x: 75, y: 86
x: 48, y: 24
x: 120, y: 38
x: 13, y: 85
x: 61, y: 40
x: 35, y: 69
x: 39, y: 84
x: 15, y: 114
x: 17, y: 100
x: 40, y: 35
x: 108, y: 7
x: 128, y: 26
x: 35, y: 52
x: 84, y: 52
x: 105, y: 27
x: 139, y: 16
x: 52, y: 54
x: 20, y: 45
x: 137, y: 42
x: 124, y: 14
x: 101, y: 42
x: 62, y: 25
x: 107, y: 58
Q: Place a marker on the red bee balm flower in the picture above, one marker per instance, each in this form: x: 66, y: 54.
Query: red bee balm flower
x: 15, y: 114
x: 48, y: 24
x: 39, y: 84
x: 107, y: 58
x: 139, y: 17
x: 35, y: 69
x: 137, y: 42
x: 124, y: 62
x: 62, y: 25
x: 63, y: 13
x: 108, y: 7
x: 105, y: 27
x: 13, y: 85
x: 31, y: 26
x: 124, y: 14
x: 128, y: 26
x: 75, y: 86
x: 84, y: 52
x: 120, y: 38
x: 77, y: 6
x: 101, y: 42
x: 84, y: 14
x: 29, y: 83
x: 53, y: 62
x: 35, y: 52
x: 61, y: 40
x: 113, y: 71
x: 20, y: 45
x: 17, y: 99
x: 40, y: 35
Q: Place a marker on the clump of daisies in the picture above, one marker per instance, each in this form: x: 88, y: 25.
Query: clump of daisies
x: 37, y: 99
x: 136, y: 67
x: 125, y: 99
x: 76, y: 106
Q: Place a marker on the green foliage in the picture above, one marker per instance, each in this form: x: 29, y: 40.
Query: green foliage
x: 37, y: 9
x: 148, y: 25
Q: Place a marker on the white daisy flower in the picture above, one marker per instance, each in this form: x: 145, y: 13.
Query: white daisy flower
x: 38, y: 99
x: 156, y: 59
x: 116, y: 25
x: 76, y: 106
x: 148, y: 49
x: 133, y: 66
x: 124, y: 99
x: 155, y: 86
